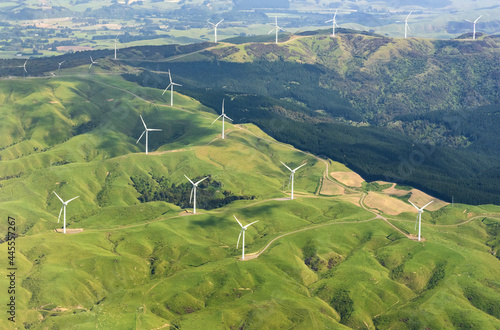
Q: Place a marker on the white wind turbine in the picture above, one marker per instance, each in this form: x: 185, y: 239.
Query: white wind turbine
x: 419, y: 216
x: 243, y: 229
x: 171, y: 85
x: 334, y: 23
x: 92, y: 62
x: 64, y: 207
x: 215, y: 28
x: 292, y: 173
x: 223, y: 115
x: 277, y: 28
x: 193, y: 192
x: 59, y: 67
x: 407, y: 28
x: 474, y: 33
x: 146, y: 130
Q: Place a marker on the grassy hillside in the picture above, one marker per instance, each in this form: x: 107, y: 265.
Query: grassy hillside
x: 332, y: 262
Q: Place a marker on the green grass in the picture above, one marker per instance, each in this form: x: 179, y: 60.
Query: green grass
x: 146, y: 265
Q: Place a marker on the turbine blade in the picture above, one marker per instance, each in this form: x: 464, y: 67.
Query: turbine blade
x: 228, y: 117
x: 191, y: 197
x: 166, y: 89
x: 176, y: 84
x: 335, y: 14
x: 223, y: 105
x: 169, y: 76
x: 238, y: 243
x: 90, y: 65
x: 271, y: 31
x: 216, y: 119
x: 329, y: 21
x: 143, y: 122
x: 140, y: 137
x: 477, y: 19
x: 58, y: 197
x: 286, y: 166
x: 409, y: 14
x: 60, y: 214
x: 427, y: 205
x: 238, y: 221
x: 189, y: 179
x: 154, y: 129
x: 299, y: 167
x: 250, y: 224
x: 201, y: 180
x: 219, y: 22
x: 469, y: 21
x: 72, y: 199
x: 413, y: 205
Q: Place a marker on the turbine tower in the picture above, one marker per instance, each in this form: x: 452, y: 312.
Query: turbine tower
x: 64, y: 207
x: 193, y: 192
x: 171, y: 85
x: 92, y: 62
x: 277, y: 28
x: 215, y: 28
x: 334, y: 23
x: 243, y: 229
x: 474, y: 33
x: 419, y: 216
x: 116, y: 40
x: 146, y: 130
x: 223, y: 115
x: 292, y: 173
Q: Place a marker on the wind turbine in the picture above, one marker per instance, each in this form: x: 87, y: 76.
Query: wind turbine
x: 419, y: 216
x: 59, y: 67
x: 193, y: 192
x: 334, y: 23
x: 243, y: 229
x: 64, y: 207
x: 474, y: 33
x: 407, y: 28
x: 223, y: 115
x: 292, y: 174
x: 171, y: 85
x: 277, y: 28
x: 146, y: 130
x: 215, y: 28
x: 92, y: 62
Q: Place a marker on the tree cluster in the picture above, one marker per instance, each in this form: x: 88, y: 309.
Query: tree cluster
x: 209, y: 194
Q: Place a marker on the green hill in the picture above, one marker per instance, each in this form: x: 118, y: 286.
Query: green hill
x: 332, y: 262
